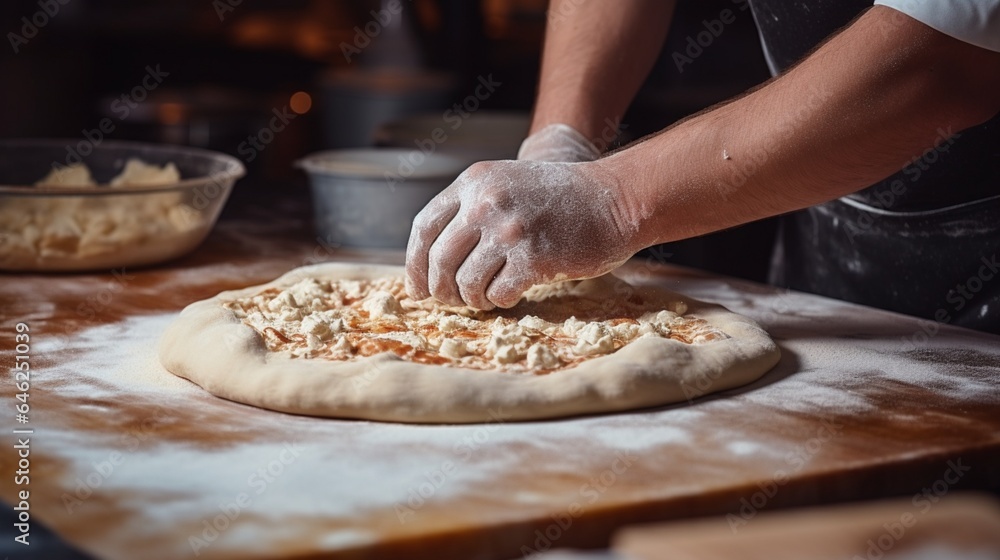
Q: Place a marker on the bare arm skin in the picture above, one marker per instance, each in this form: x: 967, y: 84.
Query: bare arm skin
x: 852, y: 113
x: 597, y: 53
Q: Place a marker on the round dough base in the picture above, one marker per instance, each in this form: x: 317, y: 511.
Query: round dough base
x: 210, y: 346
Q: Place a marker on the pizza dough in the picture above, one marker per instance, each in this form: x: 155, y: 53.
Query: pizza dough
x: 344, y: 340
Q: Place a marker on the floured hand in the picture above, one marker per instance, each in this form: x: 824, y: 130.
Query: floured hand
x: 558, y: 142
x: 504, y: 226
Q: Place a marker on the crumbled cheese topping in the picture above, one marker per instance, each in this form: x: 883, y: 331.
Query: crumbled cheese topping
x: 572, y: 326
x: 382, y: 304
x: 139, y: 173
x: 78, y: 228
x: 320, y: 325
x: 73, y: 175
x: 540, y: 325
x: 449, y: 323
x: 344, y: 320
x: 594, y: 339
x: 541, y: 356
x: 452, y: 348
x: 342, y: 348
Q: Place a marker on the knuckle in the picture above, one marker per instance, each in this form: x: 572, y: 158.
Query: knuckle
x: 477, y: 213
x: 423, y: 220
x: 439, y: 209
x: 418, y: 226
x: 499, y: 197
x: 512, y: 231
x: 477, y: 169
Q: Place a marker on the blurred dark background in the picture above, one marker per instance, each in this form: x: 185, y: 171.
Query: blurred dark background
x: 220, y: 73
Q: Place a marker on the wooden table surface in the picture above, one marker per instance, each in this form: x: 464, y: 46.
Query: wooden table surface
x: 958, y: 527
x: 128, y: 461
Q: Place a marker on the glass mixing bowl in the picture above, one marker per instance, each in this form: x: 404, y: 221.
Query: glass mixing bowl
x: 102, y: 227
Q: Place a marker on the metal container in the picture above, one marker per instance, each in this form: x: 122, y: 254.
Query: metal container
x: 367, y: 198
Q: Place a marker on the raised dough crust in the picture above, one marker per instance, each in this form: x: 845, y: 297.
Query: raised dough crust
x: 208, y: 345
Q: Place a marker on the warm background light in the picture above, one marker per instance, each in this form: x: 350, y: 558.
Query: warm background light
x: 171, y: 113
x: 300, y: 102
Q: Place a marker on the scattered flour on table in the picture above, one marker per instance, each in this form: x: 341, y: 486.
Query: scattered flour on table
x: 843, y: 350
x: 742, y: 447
x: 121, y: 354
x: 347, y: 538
x: 346, y: 470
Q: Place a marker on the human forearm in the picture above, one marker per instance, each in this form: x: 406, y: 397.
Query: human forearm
x: 596, y: 55
x: 855, y: 111
x: 850, y: 114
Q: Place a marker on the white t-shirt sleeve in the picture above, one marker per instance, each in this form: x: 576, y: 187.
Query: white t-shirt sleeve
x: 973, y: 21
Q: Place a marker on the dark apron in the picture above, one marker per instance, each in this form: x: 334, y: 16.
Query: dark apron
x: 925, y: 241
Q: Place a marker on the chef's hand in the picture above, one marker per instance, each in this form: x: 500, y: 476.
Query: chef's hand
x: 558, y: 142
x: 504, y: 226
